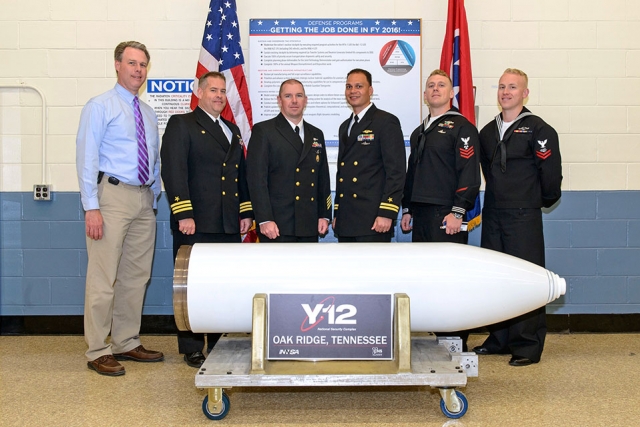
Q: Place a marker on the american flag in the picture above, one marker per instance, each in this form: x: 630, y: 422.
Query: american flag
x: 221, y: 51
x: 456, y: 60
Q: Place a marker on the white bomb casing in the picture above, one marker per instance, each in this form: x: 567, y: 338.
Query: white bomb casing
x: 451, y: 286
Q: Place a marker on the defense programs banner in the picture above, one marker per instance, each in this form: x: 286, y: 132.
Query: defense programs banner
x: 335, y: 326
x: 320, y: 53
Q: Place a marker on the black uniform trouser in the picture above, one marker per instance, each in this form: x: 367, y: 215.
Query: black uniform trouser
x: 371, y: 238
x: 288, y: 239
x: 190, y: 342
x: 516, y: 232
x: 427, y: 220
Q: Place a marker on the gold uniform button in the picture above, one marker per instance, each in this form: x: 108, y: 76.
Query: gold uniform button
x: 224, y: 164
x: 355, y: 163
x: 297, y: 169
x: 236, y: 194
x: 236, y: 166
x: 313, y: 171
x: 224, y: 194
x: 342, y: 195
x: 312, y: 184
x: 297, y: 197
x: 297, y: 184
x: 312, y: 199
x: 355, y: 196
x: 236, y: 179
x: 341, y: 163
x: 223, y: 178
x: 355, y: 179
x: 341, y: 179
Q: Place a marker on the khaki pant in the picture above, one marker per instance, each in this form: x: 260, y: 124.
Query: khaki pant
x: 119, y: 269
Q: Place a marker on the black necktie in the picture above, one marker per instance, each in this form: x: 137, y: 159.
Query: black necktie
x: 218, y: 127
x: 355, y: 122
x: 297, y: 129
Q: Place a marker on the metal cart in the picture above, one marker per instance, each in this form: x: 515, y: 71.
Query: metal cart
x: 239, y: 361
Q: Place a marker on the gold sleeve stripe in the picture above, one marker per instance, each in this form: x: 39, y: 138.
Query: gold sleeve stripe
x: 335, y: 207
x: 245, y: 209
x: 245, y: 203
x: 187, y: 208
x: 181, y: 203
x: 329, y: 202
x: 389, y: 207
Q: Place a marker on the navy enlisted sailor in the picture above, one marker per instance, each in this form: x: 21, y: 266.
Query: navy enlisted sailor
x: 520, y: 159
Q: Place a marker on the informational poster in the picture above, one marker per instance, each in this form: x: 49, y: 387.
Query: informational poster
x: 320, y: 53
x: 336, y: 326
x: 168, y: 97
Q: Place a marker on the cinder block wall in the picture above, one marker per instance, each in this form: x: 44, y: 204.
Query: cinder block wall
x: 582, y: 56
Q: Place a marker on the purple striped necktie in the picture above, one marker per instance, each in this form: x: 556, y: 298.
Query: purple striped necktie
x: 143, y: 154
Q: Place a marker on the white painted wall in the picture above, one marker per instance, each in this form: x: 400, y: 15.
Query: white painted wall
x: 582, y: 57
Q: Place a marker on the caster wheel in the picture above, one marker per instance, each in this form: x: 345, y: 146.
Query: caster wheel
x: 464, y: 405
x: 221, y: 415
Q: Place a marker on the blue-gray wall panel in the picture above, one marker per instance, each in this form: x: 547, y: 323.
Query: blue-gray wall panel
x: 557, y: 234
x: 10, y: 292
x: 619, y: 262
x: 634, y: 234
x: 11, y: 206
x: 51, y: 263
x: 598, y: 290
x: 573, y: 206
x: 618, y: 204
x: 599, y: 234
x: 633, y: 288
x: 36, y: 235
x: 592, y: 239
x: 11, y: 263
x: 572, y: 262
x: 68, y: 235
x: 61, y: 207
x: 67, y: 291
x: 36, y: 291
x: 11, y: 234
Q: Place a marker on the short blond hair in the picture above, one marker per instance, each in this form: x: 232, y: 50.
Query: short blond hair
x: 442, y: 73
x: 518, y: 73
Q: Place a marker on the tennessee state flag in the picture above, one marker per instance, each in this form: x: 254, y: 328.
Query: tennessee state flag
x: 456, y: 60
x: 221, y: 51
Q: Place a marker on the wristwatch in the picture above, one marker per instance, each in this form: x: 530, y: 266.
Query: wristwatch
x: 457, y: 215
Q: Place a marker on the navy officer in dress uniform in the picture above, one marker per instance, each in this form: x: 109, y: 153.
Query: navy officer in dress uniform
x: 371, y: 167
x: 203, y: 170
x: 288, y: 173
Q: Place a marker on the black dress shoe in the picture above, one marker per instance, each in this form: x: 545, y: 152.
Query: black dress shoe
x: 481, y: 350
x: 195, y: 359
x: 520, y: 361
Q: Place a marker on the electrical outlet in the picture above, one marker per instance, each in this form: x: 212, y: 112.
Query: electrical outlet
x: 42, y: 192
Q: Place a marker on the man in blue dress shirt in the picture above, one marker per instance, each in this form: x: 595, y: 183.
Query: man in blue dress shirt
x: 119, y: 178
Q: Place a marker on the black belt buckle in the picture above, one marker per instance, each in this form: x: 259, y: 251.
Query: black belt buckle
x: 114, y: 181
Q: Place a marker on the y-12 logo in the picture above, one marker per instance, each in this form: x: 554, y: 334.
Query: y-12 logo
x: 316, y: 315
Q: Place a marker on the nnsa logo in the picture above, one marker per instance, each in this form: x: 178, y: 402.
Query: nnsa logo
x: 327, y: 307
